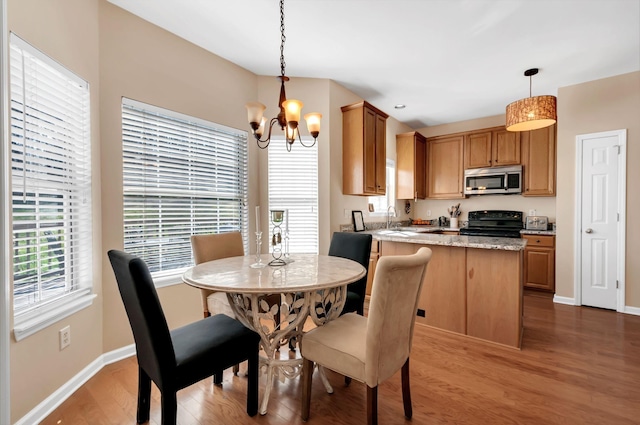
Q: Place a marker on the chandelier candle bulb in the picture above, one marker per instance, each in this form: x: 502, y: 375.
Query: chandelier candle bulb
x: 292, y: 108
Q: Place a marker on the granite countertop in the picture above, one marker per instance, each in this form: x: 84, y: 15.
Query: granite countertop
x: 538, y: 232
x: 427, y: 237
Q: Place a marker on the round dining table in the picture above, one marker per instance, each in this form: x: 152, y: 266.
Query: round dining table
x: 311, y: 285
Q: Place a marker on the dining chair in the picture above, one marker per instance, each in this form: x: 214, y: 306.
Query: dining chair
x: 215, y: 246
x: 356, y: 247
x: 371, y: 349
x: 175, y: 359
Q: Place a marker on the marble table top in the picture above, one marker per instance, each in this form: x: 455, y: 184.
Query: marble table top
x: 307, y: 272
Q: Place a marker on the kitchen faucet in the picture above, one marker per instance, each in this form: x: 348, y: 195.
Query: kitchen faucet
x: 391, y: 207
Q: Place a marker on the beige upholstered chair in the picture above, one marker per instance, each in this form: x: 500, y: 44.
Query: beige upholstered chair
x: 214, y: 247
x: 372, y: 349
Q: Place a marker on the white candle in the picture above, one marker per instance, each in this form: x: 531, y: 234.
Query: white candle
x: 286, y: 226
x: 258, y: 219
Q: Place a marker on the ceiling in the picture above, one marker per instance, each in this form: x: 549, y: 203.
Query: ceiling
x: 446, y: 60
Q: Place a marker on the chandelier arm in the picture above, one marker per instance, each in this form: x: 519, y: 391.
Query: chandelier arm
x: 306, y: 146
x: 268, y: 139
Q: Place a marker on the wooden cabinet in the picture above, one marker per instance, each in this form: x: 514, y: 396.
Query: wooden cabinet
x: 411, y: 164
x: 444, y: 167
x: 364, y: 157
x: 495, y: 147
x: 539, y: 162
x: 539, y: 262
x: 373, y: 262
x: 475, y: 292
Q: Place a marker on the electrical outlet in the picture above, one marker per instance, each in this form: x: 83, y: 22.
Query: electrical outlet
x: 428, y: 213
x: 65, y: 337
x: 532, y: 212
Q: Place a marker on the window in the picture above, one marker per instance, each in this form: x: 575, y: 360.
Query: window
x: 181, y: 176
x: 382, y: 203
x: 51, y: 189
x: 293, y: 186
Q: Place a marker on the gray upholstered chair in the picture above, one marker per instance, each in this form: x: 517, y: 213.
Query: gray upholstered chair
x: 372, y: 349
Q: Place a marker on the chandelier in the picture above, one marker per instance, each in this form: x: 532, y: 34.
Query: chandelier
x: 289, y: 116
x: 531, y: 113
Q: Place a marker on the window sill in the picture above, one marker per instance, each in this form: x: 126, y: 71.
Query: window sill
x: 41, y: 318
x: 169, y: 278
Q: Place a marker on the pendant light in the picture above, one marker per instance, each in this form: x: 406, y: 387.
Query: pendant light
x: 531, y: 113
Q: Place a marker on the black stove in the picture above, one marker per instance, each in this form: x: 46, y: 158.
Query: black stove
x: 496, y: 223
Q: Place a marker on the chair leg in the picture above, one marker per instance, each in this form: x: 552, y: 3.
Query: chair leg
x: 253, y: 365
x: 347, y: 380
x: 217, y: 377
x: 406, y: 390
x: 236, y: 369
x: 144, y: 396
x: 307, y: 376
x: 372, y: 405
x: 169, y: 402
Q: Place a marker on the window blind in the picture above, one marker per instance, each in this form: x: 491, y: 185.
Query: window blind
x: 181, y: 176
x: 293, y: 186
x: 50, y: 180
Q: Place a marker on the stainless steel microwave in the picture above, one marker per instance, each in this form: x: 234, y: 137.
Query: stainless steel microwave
x: 494, y: 180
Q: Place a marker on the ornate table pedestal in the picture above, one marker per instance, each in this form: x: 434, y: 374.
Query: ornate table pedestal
x: 311, y: 285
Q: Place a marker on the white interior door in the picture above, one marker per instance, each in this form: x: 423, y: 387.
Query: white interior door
x: 599, y: 220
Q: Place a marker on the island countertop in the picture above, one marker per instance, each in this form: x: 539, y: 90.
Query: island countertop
x: 430, y: 238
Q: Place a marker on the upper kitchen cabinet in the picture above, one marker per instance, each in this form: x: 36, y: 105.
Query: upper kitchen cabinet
x: 364, y: 156
x: 493, y: 147
x: 411, y: 163
x: 539, y: 161
x: 444, y: 167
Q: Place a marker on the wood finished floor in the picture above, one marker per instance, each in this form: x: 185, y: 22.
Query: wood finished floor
x: 578, y: 365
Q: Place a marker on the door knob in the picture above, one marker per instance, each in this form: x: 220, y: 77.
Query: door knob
x: 588, y: 231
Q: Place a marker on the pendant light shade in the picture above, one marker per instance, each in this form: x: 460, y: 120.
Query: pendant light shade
x: 531, y: 113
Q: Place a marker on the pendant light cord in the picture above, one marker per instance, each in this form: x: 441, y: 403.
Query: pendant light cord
x: 283, y: 38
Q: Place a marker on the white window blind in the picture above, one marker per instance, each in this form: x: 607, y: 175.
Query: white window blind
x: 50, y: 181
x: 293, y: 186
x: 181, y: 176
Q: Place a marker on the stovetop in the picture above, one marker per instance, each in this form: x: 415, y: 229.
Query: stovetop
x: 494, y: 223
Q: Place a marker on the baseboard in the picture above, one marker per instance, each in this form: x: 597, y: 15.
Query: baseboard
x: 632, y: 310
x: 48, y: 405
x: 564, y: 300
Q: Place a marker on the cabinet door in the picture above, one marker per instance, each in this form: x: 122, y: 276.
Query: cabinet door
x: 381, y: 155
x: 444, y: 167
x: 539, y: 161
x: 539, y: 268
x: 505, y: 147
x: 411, y: 166
x: 477, y: 150
x: 421, y: 168
x: 370, y: 148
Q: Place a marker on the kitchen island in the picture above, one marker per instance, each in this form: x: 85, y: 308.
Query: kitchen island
x: 473, y: 284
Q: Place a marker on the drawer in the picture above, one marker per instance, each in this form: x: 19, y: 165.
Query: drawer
x: 539, y: 240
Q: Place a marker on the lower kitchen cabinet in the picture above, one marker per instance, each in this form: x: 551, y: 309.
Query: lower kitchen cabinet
x: 539, y: 262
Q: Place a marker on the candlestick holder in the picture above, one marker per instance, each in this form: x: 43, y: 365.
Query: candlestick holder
x: 277, y: 217
x: 258, y: 264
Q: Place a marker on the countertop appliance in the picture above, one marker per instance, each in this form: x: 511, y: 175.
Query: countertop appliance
x: 496, y: 223
x: 536, y: 222
x: 494, y: 180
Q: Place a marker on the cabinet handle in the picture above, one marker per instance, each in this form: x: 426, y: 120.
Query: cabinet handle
x: 538, y: 241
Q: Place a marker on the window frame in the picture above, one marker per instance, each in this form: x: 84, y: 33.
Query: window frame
x: 78, y: 293
x: 159, y: 115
